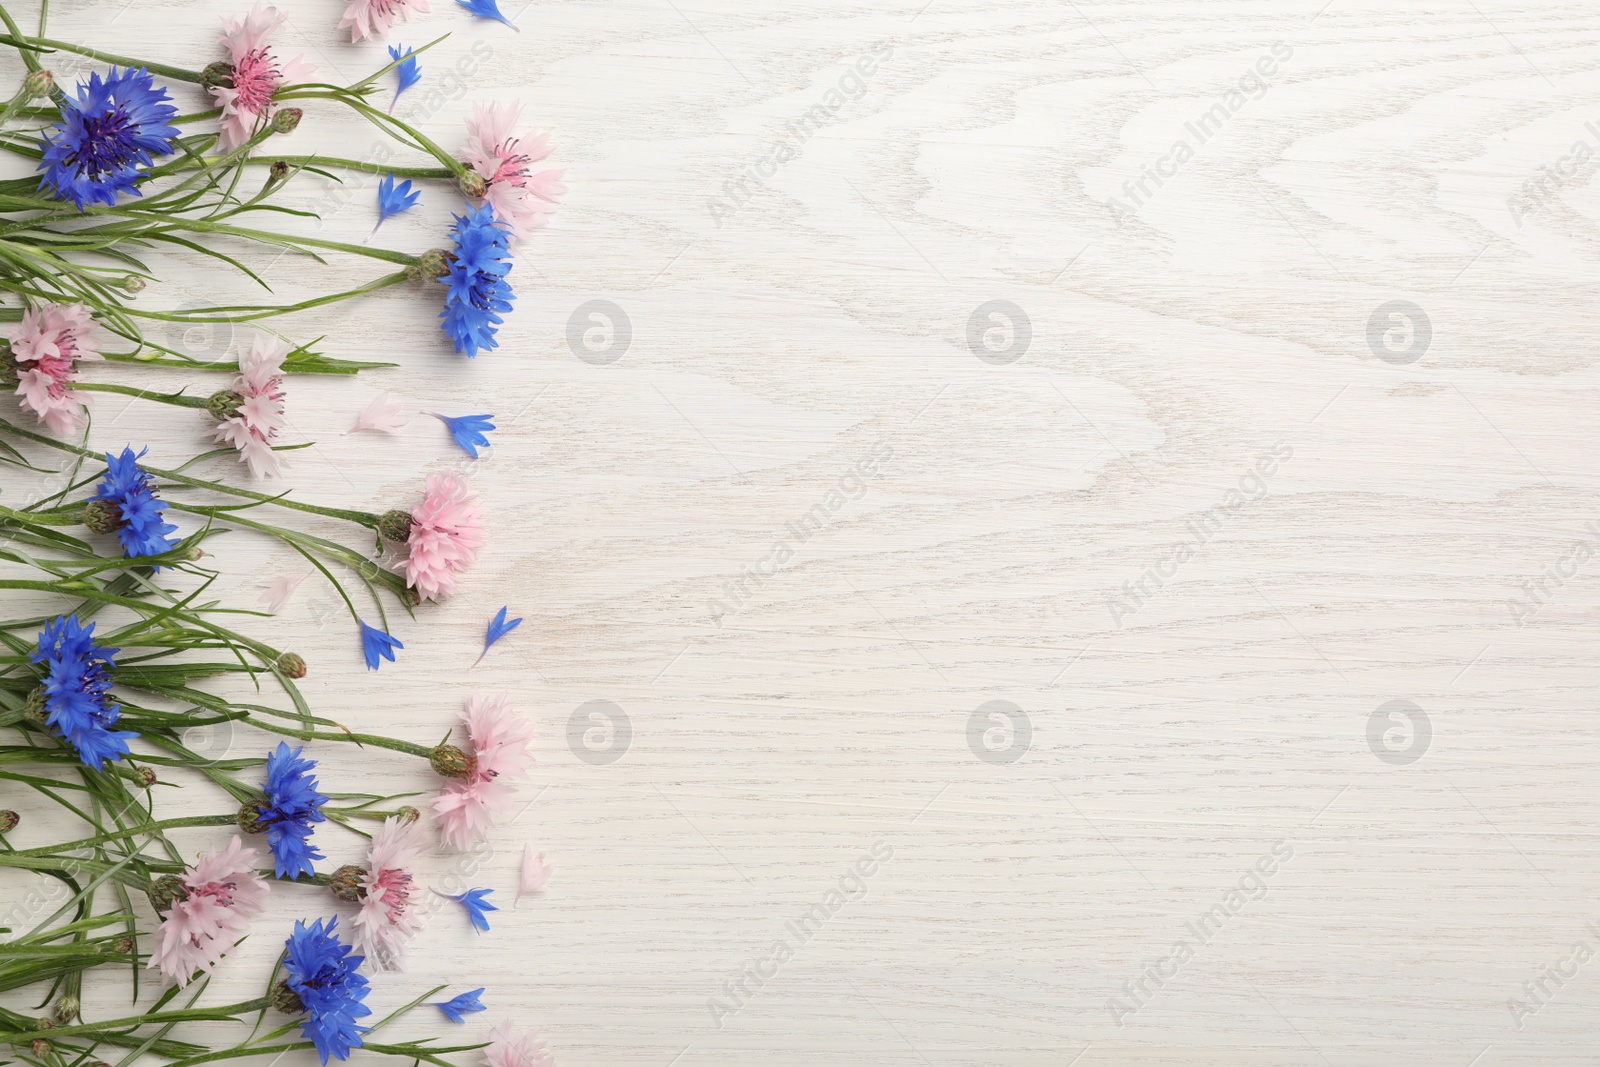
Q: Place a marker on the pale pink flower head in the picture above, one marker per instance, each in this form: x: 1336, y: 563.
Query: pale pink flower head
x: 46, y: 346
x: 522, y: 198
x: 258, y: 73
x: 260, y: 413
x: 222, y: 893
x: 372, y: 18
x: 498, y: 760
x: 508, y: 1048
x: 446, y: 533
x: 389, y: 915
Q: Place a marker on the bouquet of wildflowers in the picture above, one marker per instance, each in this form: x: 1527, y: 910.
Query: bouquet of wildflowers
x: 117, y: 639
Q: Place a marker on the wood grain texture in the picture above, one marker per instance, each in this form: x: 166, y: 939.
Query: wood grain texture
x: 805, y: 357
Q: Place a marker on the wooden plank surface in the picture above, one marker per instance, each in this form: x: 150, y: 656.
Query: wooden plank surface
x: 1057, y: 559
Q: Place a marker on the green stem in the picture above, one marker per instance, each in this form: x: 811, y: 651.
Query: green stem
x: 135, y: 831
x: 27, y: 45
x: 175, y: 399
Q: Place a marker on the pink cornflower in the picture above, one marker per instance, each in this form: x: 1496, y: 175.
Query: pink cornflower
x: 372, y: 18
x: 498, y: 761
x: 46, y: 346
x: 446, y: 532
x: 260, y: 411
x: 389, y: 916
x: 507, y: 1048
x: 503, y: 159
x: 257, y: 74
x: 222, y: 893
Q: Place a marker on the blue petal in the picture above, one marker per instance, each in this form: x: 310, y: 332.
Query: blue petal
x: 408, y: 73
x: 468, y: 430
x: 477, y: 907
x: 393, y: 199
x: 456, y: 1008
x: 486, y: 9
x: 375, y: 644
x: 499, y: 627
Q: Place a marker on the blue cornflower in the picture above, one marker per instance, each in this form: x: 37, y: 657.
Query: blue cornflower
x: 76, y: 700
x: 487, y: 9
x: 288, y: 807
x: 476, y: 280
x: 376, y: 643
x: 323, y: 974
x: 111, y: 130
x: 126, y: 485
x: 407, y: 72
x: 456, y: 1009
x: 498, y: 628
x: 393, y: 199
x: 473, y: 900
x: 468, y: 430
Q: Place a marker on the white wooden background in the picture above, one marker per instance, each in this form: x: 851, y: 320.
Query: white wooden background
x: 825, y: 325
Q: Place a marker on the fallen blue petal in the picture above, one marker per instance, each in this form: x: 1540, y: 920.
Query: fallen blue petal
x: 473, y: 900
x: 407, y: 72
x: 456, y: 1009
x: 468, y: 430
x: 499, y: 626
x: 486, y: 9
x: 376, y: 644
x: 393, y: 199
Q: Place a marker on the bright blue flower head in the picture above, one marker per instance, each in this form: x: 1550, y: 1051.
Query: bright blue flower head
x: 76, y: 698
x: 486, y: 9
x: 477, y: 288
x: 288, y: 808
x: 128, y: 487
x: 375, y: 643
x: 456, y: 1009
x: 477, y: 906
x: 113, y: 128
x: 407, y: 72
x: 322, y: 973
x: 393, y: 199
x: 468, y: 430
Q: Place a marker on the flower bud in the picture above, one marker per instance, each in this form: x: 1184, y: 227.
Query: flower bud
x: 40, y: 1047
x: 410, y: 597
x: 249, y: 818
x: 167, y: 891
x: 291, y: 665
x: 102, y: 516
x: 44, y: 1024
x: 286, y: 120
x: 40, y: 83
x: 346, y: 883
x: 448, y: 761
x: 408, y: 814
x: 122, y: 946
x: 8, y: 821
x: 10, y: 373
x: 145, y: 777
x: 286, y: 1000
x: 67, y: 1009
x: 434, y: 263
x: 277, y: 174
x: 33, y: 709
x: 131, y: 283
x: 471, y: 183
x: 395, y: 526
x: 224, y: 405
x: 217, y: 75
